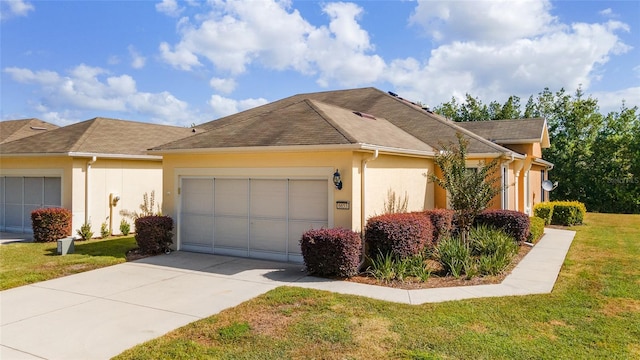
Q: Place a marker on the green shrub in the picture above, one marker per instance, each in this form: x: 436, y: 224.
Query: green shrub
x: 154, y: 234
x: 104, y: 230
x: 568, y: 213
x: 50, y: 224
x: 331, y: 252
x: 492, y: 248
x: 543, y: 211
x: 385, y: 267
x: 125, y: 227
x: 454, y: 255
x: 537, y: 229
x: 85, y: 231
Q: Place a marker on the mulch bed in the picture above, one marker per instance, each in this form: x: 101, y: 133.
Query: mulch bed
x: 438, y: 281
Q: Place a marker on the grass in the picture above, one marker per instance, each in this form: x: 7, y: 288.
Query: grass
x: 27, y: 263
x: 592, y: 313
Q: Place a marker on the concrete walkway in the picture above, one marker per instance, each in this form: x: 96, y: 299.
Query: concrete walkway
x: 100, y: 313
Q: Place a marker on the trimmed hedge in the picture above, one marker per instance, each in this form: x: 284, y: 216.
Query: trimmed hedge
x: 50, y: 224
x: 331, y: 252
x: 401, y: 235
x: 568, y: 213
x: 442, y: 221
x: 565, y: 213
x: 543, y: 211
x: 513, y: 223
x: 154, y: 234
x: 536, y: 229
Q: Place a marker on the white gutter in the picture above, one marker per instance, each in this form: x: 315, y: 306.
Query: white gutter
x: 362, y: 199
x: 297, y: 148
x: 84, y: 155
x: 87, y: 189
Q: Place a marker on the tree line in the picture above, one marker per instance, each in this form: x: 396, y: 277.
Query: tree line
x: 596, y: 156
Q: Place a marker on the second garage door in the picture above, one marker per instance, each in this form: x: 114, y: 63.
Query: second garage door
x: 260, y: 218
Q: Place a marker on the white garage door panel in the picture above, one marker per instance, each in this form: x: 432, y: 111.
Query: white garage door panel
x: 21, y: 195
x: 308, y: 199
x: 269, y: 235
x: 231, y: 233
x: 262, y: 218
x: 231, y: 197
x: 197, y: 214
x: 269, y: 199
x: 52, y: 194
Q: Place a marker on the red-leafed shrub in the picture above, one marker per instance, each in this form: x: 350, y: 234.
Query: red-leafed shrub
x: 154, y: 234
x: 331, y: 252
x: 442, y: 221
x: 401, y: 235
x: 513, y: 223
x: 50, y: 224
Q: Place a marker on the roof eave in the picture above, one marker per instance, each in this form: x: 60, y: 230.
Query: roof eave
x: 86, y: 155
x: 292, y: 148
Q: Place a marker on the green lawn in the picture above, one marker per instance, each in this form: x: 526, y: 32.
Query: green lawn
x: 27, y: 263
x: 593, y: 313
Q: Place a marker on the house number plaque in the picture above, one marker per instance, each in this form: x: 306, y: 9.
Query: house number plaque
x: 342, y: 205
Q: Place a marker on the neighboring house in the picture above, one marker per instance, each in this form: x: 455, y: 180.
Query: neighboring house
x: 527, y: 137
x: 251, y: 183
x: 81, y: 167
x: 11, y: 130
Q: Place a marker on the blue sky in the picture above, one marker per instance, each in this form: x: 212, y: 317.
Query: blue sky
x: 185, y: 62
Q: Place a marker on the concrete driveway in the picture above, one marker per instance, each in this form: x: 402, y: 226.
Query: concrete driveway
x: 100, y: 313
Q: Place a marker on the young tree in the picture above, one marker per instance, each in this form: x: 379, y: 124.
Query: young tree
x: 470, y: 190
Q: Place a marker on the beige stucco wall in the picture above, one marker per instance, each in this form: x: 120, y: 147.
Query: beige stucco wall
x: 402, y: 175
x: 387, y: 171
x: 130, y: 178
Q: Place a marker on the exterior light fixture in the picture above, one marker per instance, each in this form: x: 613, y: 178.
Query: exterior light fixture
x: 337, y: 181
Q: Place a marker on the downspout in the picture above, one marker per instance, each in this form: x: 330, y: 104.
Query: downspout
x: 362, y: 200
x: 87, y: 190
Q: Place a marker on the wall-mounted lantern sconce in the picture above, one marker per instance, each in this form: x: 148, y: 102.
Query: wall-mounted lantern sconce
x: 337, y: 181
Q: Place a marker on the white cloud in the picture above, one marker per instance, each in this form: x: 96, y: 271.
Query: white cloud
x: 137, y: 61
x: 223, y: 106
x: 478, y: 60
x: 484, y: 20
x: 612, y: 100
x: 91, y: 88
x: 608, y: 12
x: 169, y: 7
x: 13, y: 8
x: 239, y: 34
x: 225, y: 86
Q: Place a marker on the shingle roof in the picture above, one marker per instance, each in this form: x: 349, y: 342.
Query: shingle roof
x: 11, y: 130
x: 97, y: 136
x: 302, y: 122
x: 296, y: 120
x: 515, y: 131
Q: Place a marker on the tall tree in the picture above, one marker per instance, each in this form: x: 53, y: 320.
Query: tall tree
x: 596, y: 157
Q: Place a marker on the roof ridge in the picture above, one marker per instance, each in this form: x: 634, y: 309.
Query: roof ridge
x: 85, y: 134
x: 328, y: 119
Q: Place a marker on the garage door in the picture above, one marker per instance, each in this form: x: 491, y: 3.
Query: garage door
x: 19, y: 196
x: 260, y: 218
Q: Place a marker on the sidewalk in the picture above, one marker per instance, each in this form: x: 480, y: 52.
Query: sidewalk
x: 100, y: 313
x: 535, y: 274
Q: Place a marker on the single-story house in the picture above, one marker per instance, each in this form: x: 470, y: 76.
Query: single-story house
x: 251, y: 183
x: 83, y: 167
